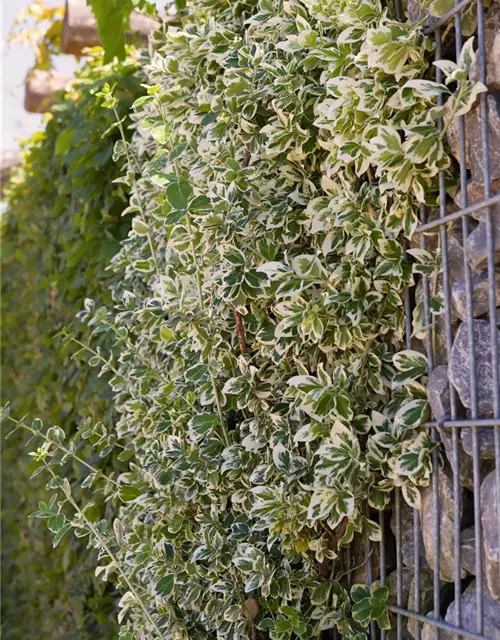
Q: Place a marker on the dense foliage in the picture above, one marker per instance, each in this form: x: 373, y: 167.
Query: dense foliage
x: 61, y: 228
x: 265, y: 405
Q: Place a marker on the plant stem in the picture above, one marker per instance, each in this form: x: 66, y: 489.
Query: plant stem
x: 108, y: 551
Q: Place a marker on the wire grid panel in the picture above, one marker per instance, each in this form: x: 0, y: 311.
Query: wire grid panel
x: 454, y: 590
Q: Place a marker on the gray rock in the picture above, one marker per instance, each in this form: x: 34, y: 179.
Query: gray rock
x: 438, y: 322
x: 468, y: 608
x: 446, y: 523
x: 477, y: 246
x: 432, y: 237
x: 480, y: 214
x: 479, y: 288
x: 475, y: 192
x: 428, y: 632
x: 407, y: 546
x: 473, y: 142
x: 438, y: 392
x: 358, y: 560
x: 392, y: 583
x: 465, y: 462
x: 490, y: 499
x: 460, y: 366
x: 426, y: 593
x: 416, y: 14
x: 485, y: 440
x: 492, y: 48
x: 468, y: 550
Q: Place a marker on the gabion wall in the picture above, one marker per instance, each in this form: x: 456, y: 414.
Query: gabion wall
x: 442, y: 563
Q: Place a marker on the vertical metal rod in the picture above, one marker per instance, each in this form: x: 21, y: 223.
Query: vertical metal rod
x: 457, y: 489
x: 473, y: 391
x: 434, y: 434
x: 490, y: 240
x: 397, y: 9
x: 399, y: 562
x: 348, y: 564
x: 381, y: 524
x: 369, y: 567
x: 416, y: 559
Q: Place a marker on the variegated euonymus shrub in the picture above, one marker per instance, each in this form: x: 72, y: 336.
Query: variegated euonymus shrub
x: 280, y: 157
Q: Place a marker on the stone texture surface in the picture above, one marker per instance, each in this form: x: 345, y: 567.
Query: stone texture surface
x: 438, y: 392
x: 474, y: 152
x: 492, y: 48
x: 415, y: 13
x: 460, y: 365
x: 477, y: 241
x: 468, y: 605
x: 439, y: 348
x: 490, y: 499
x: 358, y: 557
x: 485, y: 440
x: 475, y: 192
x: 446, y: 523
x: 480, y: 214
x: 480, y: 299
x: 426, y: 597
x: 407, y: 546
x: 432, y: 240
x: 468, y: 550
x: 465, y: 462
x: 392, y: 583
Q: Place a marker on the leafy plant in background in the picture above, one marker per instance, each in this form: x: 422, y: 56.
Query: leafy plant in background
x: 61, y: 226
x: 265, y: 408
x: 40, y: 27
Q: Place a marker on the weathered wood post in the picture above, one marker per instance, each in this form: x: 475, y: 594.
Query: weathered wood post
x: 41, y: 87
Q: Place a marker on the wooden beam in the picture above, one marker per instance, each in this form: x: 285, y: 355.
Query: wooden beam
x: 41, y: 87
x: 80, y: 27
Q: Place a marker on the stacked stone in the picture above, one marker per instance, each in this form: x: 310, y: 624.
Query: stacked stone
x: 452, y: 374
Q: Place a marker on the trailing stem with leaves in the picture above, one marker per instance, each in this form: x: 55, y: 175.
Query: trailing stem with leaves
x: 266, y: 405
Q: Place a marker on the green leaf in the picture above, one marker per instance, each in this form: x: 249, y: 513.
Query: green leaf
x: 202, y: 423
x: 410, y: 364
x: 56, y: 523
x: 60, y: 534
x: 130, y: 492
x: 165, y: 586
x: 412, y: 414
x: 113, y: 18
x: 163, y: 132
x: 140, y: 227
x: 178, y: 194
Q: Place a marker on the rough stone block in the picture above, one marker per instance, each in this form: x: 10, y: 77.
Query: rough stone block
x: 480, y: 298
x: 490, y: 499
x: 460, y: 365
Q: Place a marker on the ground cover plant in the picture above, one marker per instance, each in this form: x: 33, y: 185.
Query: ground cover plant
x: 265, y: 404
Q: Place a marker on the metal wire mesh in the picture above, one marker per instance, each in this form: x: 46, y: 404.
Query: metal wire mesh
x: 431, y: 614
